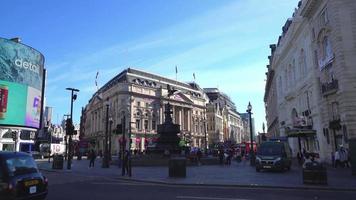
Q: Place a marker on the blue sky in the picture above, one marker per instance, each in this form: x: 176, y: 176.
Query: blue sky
x: 224, y: 42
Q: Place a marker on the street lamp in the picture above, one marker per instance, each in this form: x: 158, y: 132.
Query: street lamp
x: 73, y: 98
x: 252, y: 153
x: 106, y: 151
x: 205, y: 138
x: 110, y: 135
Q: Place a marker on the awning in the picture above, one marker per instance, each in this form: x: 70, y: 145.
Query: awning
x: 300, y: 132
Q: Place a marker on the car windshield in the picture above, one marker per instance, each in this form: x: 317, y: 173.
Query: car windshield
x: 21, y: 165
x: 270, y: 150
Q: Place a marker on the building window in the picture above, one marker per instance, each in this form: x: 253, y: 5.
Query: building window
x: 153, y: 125
x: 146, y: 124
x: 138, y: 126
x: 335, y: 110
x: 138, y: 104
x: 327, y: 50
x: 147, y: 105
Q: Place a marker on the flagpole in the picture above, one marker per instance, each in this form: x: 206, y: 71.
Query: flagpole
x: 176, y: 75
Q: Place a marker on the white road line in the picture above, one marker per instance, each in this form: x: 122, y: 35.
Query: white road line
x: 207, y: 198
x: 117, y: 183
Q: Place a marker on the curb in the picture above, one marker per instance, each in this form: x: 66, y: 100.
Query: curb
x: 249, y: 186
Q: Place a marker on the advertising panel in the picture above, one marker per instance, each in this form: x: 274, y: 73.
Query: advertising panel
x: 21, y: 74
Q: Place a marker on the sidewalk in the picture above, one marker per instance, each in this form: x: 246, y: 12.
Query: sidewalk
x: 237, y: 174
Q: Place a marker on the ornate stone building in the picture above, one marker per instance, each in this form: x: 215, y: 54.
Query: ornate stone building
x: 224, y: 122
x: 139, y: 97
x: 270, y: 99
x: 313, y: 69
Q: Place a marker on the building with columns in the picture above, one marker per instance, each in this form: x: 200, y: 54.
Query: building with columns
x: 313, y: 69
x: 139, y: 98
x: 224, y: 122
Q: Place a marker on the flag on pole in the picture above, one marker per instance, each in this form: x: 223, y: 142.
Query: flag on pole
x: 194, y: 76
x: 176, y: 70
x: 96, y: 78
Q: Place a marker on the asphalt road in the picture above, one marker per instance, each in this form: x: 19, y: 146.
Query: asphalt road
x: 70, y: 186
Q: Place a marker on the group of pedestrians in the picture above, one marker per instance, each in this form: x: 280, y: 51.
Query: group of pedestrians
x: 342, y: 158
x: 226, y: 155
x: 125, y: 164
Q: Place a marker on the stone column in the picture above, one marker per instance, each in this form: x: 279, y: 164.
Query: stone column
x: 180, y: 119
x: 189, y: 120
x: 160, y: 115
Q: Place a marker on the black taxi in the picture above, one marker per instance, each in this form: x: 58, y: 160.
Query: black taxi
x: 20, y: 177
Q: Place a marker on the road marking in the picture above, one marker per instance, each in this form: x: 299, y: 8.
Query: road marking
x: 208, y: 198
x: 118, y: 183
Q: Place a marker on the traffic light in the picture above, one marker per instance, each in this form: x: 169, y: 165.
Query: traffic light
x: 69, y: 127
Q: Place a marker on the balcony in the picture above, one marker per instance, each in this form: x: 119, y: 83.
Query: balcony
x: 329, y: 88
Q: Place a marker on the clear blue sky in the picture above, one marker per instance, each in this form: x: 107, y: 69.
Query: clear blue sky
x: 224, y: 42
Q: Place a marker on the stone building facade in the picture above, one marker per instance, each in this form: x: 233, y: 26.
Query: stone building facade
x: 313, y: 69
x: 270, y: 99
x: 139, y: 97
x: 224, y: 122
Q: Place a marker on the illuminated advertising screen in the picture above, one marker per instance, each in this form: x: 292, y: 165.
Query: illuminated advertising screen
x: 21, y: 74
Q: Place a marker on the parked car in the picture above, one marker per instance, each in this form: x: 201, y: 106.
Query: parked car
x: 273, y: 155
x: 20, y: 177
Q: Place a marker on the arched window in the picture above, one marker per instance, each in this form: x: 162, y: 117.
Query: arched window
x: 327, y: 50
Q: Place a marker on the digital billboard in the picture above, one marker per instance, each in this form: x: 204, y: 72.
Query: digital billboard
x: 21, y: 74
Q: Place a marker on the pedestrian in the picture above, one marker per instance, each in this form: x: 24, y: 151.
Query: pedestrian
x: 307, y: 161
x: 221, y: 156
x: 125, y: 164
x: 199, y: 155
x: 343, y: 157
x: 229, y: 157
x: 337, y: 158
x: 300, y: 158
x: 92, y: 157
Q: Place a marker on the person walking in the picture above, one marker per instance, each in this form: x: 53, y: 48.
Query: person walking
x: 229, y: 156
x: 221, y: 156
x: 125, y: 164
x: 92, y: 157
x: 337, y: 158
x: 199, y: 155
x: 343, y: 157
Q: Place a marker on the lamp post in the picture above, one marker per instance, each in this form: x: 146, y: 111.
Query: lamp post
x: 110, y: 135
x: 123, y: 145
x: 73, y: 98
x: 252, y: 153
x: 50, y: 144
x: 106, y: 150
x: 205, y: 138
x: 66, y: 140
